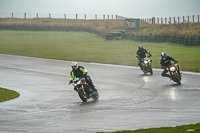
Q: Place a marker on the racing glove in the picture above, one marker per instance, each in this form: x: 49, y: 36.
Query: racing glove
x: 71, y: 81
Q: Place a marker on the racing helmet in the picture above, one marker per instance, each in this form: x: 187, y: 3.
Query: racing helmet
x: 140, y: 47
x: 163, y: 55
x: 74, y: 65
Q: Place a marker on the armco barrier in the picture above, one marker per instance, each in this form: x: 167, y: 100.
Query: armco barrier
x: 140, y: 38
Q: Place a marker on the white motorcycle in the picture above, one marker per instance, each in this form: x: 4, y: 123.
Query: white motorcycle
x: 146, y: 65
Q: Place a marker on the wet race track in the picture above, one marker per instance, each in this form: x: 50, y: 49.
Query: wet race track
x: 129, y: 100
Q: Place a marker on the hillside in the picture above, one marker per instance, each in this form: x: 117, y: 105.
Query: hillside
x: 191, y: 30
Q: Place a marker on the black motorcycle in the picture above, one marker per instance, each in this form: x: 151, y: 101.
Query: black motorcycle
x: 146, y: 65
x: 174, y: 70
x: 85, y: 92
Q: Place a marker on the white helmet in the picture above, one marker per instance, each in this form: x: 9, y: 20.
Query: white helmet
x: 74, y: 65
x: 163, y: 55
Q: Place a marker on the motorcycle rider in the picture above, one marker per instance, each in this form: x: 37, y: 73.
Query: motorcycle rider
x: 165, y: 61
x: 141, y: 54
x: 80, y: 72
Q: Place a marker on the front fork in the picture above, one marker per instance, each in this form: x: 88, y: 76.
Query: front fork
x: 174, y: 72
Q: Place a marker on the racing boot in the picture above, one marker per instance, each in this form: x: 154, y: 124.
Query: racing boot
x: 169, y: 76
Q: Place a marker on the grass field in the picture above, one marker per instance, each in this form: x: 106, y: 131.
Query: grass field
x: 83, y: 46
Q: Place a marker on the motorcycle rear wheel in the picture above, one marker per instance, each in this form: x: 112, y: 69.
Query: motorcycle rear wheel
x: 82, y: 95
x: 95, y: 96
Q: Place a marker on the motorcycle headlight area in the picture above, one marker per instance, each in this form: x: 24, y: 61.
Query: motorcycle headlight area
x: 172, y: 68
x: 74, y: 84
x: 145, y: 62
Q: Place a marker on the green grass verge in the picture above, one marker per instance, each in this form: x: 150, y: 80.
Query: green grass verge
x: 82, y: 46
x: 194, y: 128
x: 6, y: 95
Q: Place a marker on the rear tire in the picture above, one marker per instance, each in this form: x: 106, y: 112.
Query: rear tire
x: 95, y: 96
x: 82, y: 95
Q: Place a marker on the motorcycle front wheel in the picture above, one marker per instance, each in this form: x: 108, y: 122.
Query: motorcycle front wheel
x: 150, y: 70
x: 177, y: 79
x: 82, y: 95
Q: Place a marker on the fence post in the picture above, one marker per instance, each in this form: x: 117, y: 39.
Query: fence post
x: 76, y: 16
x: 165, y: 20
x: 188, y: 19
x: 65, y: 16
x: 12, y: 14
x: 104, y: 17
x: 153, y: 20
x: 112, y: 16
x: 108, y: 17
x: 158, y: 20
x: 178, y: 19
x: 198, y: 18
x: 183, y: 19
x: 193, y: 18
x: 174, y: 21
x: 170, y: 20
x: 116, y: 17
x: 85, y: 16
x: 24, y: 15
x: 96, y: 17
x: 49, y: 15
x: 37, y: 15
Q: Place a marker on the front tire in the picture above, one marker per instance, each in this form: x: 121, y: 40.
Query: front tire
x: 177, y: 79
x: 150, y: 70
x: 144, y: 69
x: 82, y: 95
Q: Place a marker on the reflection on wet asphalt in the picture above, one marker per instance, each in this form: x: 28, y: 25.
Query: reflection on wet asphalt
x: 128, y: 100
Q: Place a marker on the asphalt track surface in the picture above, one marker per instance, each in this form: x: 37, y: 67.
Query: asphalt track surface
x: 129, y: 100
